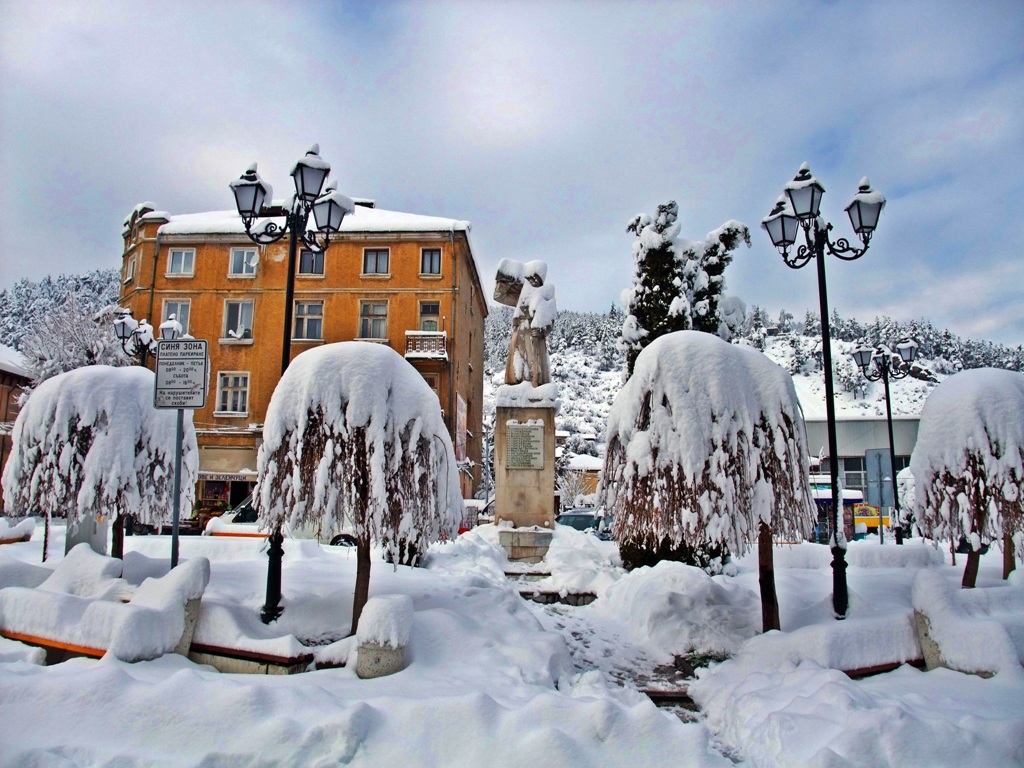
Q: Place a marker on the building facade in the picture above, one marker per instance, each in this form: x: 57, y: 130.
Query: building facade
x: 13, y: 380
x: 405, y: 280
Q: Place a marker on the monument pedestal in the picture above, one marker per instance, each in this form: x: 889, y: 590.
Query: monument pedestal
x: 524, y: 473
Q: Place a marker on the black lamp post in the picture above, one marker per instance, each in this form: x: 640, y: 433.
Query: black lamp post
x: 888, y: 365
x: 801, y: 210
x: 136, y: 336
x: 328, y: 209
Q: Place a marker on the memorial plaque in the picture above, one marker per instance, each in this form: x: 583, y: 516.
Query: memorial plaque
x: 524, y: 446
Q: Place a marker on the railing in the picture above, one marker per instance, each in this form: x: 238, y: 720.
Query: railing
x: 431, y: 345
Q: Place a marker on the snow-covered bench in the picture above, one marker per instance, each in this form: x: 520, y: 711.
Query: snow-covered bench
x: 10, y: 534
x: 84, y: 608
x: 980, y: 631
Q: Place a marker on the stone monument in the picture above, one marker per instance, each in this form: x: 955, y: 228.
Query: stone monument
x: 527, y: 403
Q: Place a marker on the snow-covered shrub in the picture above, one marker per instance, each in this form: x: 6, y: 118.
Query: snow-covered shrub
x: 968, y: 463
x: 705, y: 443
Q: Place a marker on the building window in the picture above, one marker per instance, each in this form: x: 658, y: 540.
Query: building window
x: 233, y: 392
x: 311, y: 263
x: 129, y: 270
x: 243, y: 262
x: 375, y: 261
x: 309, y: 320
x: 854, y: 473
x: 433, y: 381
x: 238, y: 319
x: 181, y: 261
x: 430, y: 315
x: 180, y: 309
x: 373, y: 319
x: 430, y: 261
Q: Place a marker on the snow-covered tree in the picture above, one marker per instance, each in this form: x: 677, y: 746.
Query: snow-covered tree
x: 968, y: 463
x: 90, y: 442
x: 706, y: 263
x: 71, y: 336
x: 571, y: 485
x: 677, y: 285
x: 657, y: 303
x: 354, y: 437
x: 26, y: 301
x: 706, y: 445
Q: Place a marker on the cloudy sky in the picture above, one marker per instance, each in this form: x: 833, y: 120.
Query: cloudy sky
x: 548, y: 125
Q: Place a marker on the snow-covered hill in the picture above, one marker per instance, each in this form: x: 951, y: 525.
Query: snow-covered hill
x: 588, y: 365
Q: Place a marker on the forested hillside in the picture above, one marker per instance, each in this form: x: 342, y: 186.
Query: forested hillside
x: 27, y: 302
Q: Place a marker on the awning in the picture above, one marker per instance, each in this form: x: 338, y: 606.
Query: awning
x: 228, y: 464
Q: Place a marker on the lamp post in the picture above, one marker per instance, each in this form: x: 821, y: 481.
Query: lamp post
x: 804, y: 195
x: 329, y: 208
x: 136, y: 336
x: 888, y: 365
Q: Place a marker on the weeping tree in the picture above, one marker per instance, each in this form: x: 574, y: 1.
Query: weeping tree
x: 89, y: 442
x: 354, y: 437
x: 968, y: 463
x: 706, y: 445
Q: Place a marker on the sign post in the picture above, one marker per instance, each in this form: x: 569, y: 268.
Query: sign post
x: 182, y: 380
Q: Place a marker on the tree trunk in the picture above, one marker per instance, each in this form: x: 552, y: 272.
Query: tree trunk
x: 362, y: 591
x: 952, y: 551
x: 766, y: 578
x: 971, y: 570
x: 117, y: 537
x: 46, y: 534
x: 1008, y: 556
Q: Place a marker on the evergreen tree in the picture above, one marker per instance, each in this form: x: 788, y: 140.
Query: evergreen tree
x: 657, y: 302
x: 708, y: 263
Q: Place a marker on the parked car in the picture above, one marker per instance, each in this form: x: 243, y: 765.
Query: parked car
x: 584, y: 519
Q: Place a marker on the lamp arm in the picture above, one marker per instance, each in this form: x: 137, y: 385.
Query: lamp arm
x: 271, y: 232
x: 309, y: 239
x: 803, y: 256
x: 842, y: 249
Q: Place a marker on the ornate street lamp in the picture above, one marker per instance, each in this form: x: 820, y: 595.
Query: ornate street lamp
x: 329, y: 208
x: 804, y: 195
x: 136, y: 336
x: 888, y: 365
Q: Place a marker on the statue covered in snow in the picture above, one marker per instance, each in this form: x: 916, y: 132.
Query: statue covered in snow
x: 522, y: 286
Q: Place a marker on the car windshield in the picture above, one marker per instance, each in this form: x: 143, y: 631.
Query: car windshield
x: 580, y: 522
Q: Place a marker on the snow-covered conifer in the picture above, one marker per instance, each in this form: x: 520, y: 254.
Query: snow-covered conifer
x: 354, y: 437
x: 658, y: 301
x: 707, y: 262
x: 968, y: 463
x: 89, y: 441
x: 706, y: 445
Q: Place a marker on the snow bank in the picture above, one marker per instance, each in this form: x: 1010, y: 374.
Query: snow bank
x: 679, y: 609
x: 915, y: 553
x: 386, y: 620
x: 15, y: 573
x: 809, y: 716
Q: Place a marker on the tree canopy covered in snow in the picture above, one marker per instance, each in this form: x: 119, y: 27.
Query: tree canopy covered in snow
x: 968, y: 463
x: 705, y: 442
x: 89, y: 441
x: 28, y: 303
x: 71, y: 336
x: 354, y: 437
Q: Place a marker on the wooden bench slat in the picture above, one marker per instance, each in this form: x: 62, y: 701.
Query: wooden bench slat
x: 46, y: 642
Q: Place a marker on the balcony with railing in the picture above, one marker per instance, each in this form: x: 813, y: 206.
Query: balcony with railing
x: 426, y: 345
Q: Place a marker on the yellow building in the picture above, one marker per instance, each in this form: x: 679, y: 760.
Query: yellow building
x: 401, y: 279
